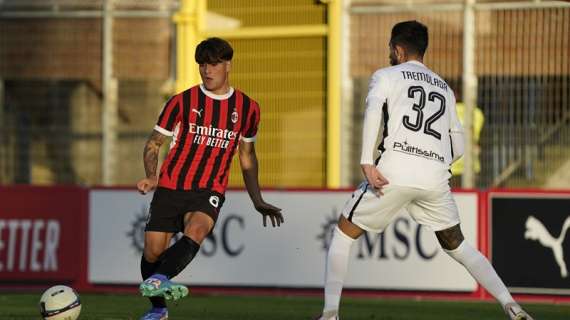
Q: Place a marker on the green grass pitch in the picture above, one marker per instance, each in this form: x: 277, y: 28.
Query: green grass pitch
x: 22, y: 306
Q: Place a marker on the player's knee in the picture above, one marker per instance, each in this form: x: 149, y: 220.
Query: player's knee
x: 197, y: 232
x: 451, y: 238
x: 349, y: 228
x: 450, y: 244
x: 151, y: 254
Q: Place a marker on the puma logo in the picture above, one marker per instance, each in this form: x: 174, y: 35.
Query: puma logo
x: 199, y: 112
x: 535, y: 230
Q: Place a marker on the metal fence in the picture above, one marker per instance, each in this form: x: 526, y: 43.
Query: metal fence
x: 63, y: 61
x: 53, y: 59
x: 522, y: 68
x: 82, y: 83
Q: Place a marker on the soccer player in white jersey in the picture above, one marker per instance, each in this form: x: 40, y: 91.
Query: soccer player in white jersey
x: 421, y: 137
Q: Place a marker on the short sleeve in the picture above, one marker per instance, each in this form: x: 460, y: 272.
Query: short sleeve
x: 249, y: 132
x: 169, y: 116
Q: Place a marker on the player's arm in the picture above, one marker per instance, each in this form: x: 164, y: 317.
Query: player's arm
x: 249, y: 169
x: 167, y: 120
x: 150, y: 159
x: 370, y: 129
x: 456, y: 134
x: 457, y: 145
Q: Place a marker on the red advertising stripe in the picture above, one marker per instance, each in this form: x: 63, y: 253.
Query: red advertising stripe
x: 42, y: 233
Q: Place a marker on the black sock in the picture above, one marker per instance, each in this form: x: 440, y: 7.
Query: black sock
x: 177, y: 257
x: 147, y: 270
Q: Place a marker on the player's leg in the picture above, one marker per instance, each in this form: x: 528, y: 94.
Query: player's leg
x: 452, y: 241
x: 160, y: 227
x: 166, y: 216
x: 197, y: 226
x: 337, y: 265
x: 155, y: 243
x: 438, y: 210
x: 200, y: 211
x: 364, y: 211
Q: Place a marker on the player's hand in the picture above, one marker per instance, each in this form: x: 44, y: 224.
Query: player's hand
x: 270, y: 211
x: 375, y: 179
x: 146, y: 185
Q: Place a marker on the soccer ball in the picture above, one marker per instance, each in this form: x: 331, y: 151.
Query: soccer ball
x: 60, y: 303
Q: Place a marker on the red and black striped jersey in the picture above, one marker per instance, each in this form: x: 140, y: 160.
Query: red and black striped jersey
x: 205, y: 129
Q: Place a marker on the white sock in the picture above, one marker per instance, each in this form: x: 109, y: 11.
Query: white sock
x: 482, y: 270
x: 335, y: 271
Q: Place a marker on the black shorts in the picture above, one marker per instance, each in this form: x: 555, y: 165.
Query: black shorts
x: 168, y: 208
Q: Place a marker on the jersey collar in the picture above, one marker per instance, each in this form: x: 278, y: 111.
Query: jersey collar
x: 416, y: 62
x: 217, y: 96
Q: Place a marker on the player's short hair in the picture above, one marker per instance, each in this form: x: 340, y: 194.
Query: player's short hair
x: 412, y: 35
x: 213, y: 50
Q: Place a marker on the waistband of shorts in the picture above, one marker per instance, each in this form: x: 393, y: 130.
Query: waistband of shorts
x: 189, y: 191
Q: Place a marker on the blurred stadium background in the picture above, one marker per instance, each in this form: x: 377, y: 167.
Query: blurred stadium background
x: 82, y: 83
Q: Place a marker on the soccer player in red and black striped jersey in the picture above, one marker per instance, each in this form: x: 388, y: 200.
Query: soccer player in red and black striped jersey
x: 207, y: 123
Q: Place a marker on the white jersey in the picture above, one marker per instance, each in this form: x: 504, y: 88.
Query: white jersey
x: 415, y: 109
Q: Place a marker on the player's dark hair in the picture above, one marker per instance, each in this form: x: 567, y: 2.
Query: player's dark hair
x: 213, y: 50
x: 412, y: 35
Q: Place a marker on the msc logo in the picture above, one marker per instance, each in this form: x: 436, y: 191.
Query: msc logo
x: 225, y: 240
x: 399, y: 241
x: 535, y: 230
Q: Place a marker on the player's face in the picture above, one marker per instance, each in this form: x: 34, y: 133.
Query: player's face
x: 215, y: 76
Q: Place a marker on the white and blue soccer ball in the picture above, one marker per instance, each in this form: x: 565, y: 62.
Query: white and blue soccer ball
x: 60, y: 303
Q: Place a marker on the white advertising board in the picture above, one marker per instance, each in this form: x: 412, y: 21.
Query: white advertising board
x: 241, y: 252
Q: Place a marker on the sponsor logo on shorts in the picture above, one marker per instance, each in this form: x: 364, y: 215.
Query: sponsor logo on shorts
x: 214, y: 201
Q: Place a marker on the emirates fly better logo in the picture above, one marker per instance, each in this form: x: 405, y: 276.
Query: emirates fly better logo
x: 211, y: 136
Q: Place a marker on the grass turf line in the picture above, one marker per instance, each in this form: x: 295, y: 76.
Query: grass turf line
x: 131, y: 307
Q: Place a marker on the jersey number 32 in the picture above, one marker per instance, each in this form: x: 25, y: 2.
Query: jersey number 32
x: 414, y: 92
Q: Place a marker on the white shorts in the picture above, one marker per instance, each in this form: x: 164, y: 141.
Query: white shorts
x: 435, y: 209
